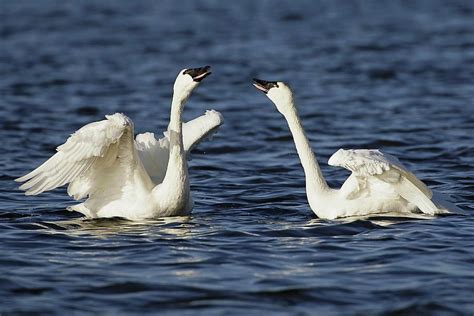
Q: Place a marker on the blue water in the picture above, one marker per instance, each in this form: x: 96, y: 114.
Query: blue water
x: 395, y: 75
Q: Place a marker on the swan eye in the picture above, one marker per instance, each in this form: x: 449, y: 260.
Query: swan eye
x: 273, y: 85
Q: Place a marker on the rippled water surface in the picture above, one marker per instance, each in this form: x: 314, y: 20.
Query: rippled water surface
x: 395, y: 75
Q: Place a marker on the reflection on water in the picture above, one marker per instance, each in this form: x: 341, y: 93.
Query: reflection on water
x: 173, y: 226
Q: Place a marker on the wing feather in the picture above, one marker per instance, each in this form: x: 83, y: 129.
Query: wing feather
x: 410, y: 192
x: 78, y: 154
x: 372, y: 162
x: 368, y: 163
x: 154, y: 153
x: 199, y: 128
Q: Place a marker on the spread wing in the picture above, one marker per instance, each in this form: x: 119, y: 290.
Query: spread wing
x: 93, y: 147
x: 154, y: 152
x: 369, y: 166
x: 200, y: 128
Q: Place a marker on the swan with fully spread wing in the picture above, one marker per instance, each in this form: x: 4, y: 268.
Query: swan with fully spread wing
x: 123, y: 177
x: 379, y: 183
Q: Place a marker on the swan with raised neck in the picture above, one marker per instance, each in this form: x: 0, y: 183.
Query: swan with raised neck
x: 174, y: 192
x: 102, y: 164
x: 379, y: 183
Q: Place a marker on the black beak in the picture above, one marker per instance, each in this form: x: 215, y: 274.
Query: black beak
x: 263, y: 85
x: 198, y: 73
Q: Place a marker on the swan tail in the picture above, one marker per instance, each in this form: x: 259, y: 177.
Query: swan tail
x: 81, y: 208
x: 443, y: 203
x: 412, y: 193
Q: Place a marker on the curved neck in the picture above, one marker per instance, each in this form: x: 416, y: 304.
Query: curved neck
x: 177, y: 106
x: 176, y: 171
x: 315, y: 182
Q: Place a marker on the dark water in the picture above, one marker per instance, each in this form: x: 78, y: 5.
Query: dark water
x: 395, y: 75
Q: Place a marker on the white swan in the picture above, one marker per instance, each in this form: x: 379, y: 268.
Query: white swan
x: 379, y: 183
x: 125, y: 178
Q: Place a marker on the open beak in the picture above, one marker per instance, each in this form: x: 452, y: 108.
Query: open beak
x: 263, y: 85
x: 198, y: 73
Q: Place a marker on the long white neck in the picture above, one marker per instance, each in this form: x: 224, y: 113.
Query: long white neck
x: 316, y: 185
x: 176, y: 176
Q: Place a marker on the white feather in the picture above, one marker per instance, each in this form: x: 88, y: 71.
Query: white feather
x: 367, y: 164
x: 102, y: 162
x: 76, y: 155
x: 379, y: 183
x: 155, y: 153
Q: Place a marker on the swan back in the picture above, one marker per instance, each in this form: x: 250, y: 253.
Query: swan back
x: 375, y: 173
x: 371, y: 162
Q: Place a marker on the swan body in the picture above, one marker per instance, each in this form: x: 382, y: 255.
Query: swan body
x: 379, y: 183
x: 154, y: 153
x: 123, y: 177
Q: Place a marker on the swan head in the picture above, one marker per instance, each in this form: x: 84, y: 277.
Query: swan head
x: 278, y: 92
x: 188, y: 79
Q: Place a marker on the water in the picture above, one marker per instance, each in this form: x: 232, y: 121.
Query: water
x: 395, y: 75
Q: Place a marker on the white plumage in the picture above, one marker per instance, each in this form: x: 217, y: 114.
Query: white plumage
x: 126, y: 178
x: 379, y: 183
x: 92, y: 145
x: 376, y: 172
x: 372, y: 162
x: 154, y: 153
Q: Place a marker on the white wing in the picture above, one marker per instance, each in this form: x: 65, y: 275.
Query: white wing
x: 93, y: 147
x: 367, y: 164
x: 154, y: 153
x: 199, y: 128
